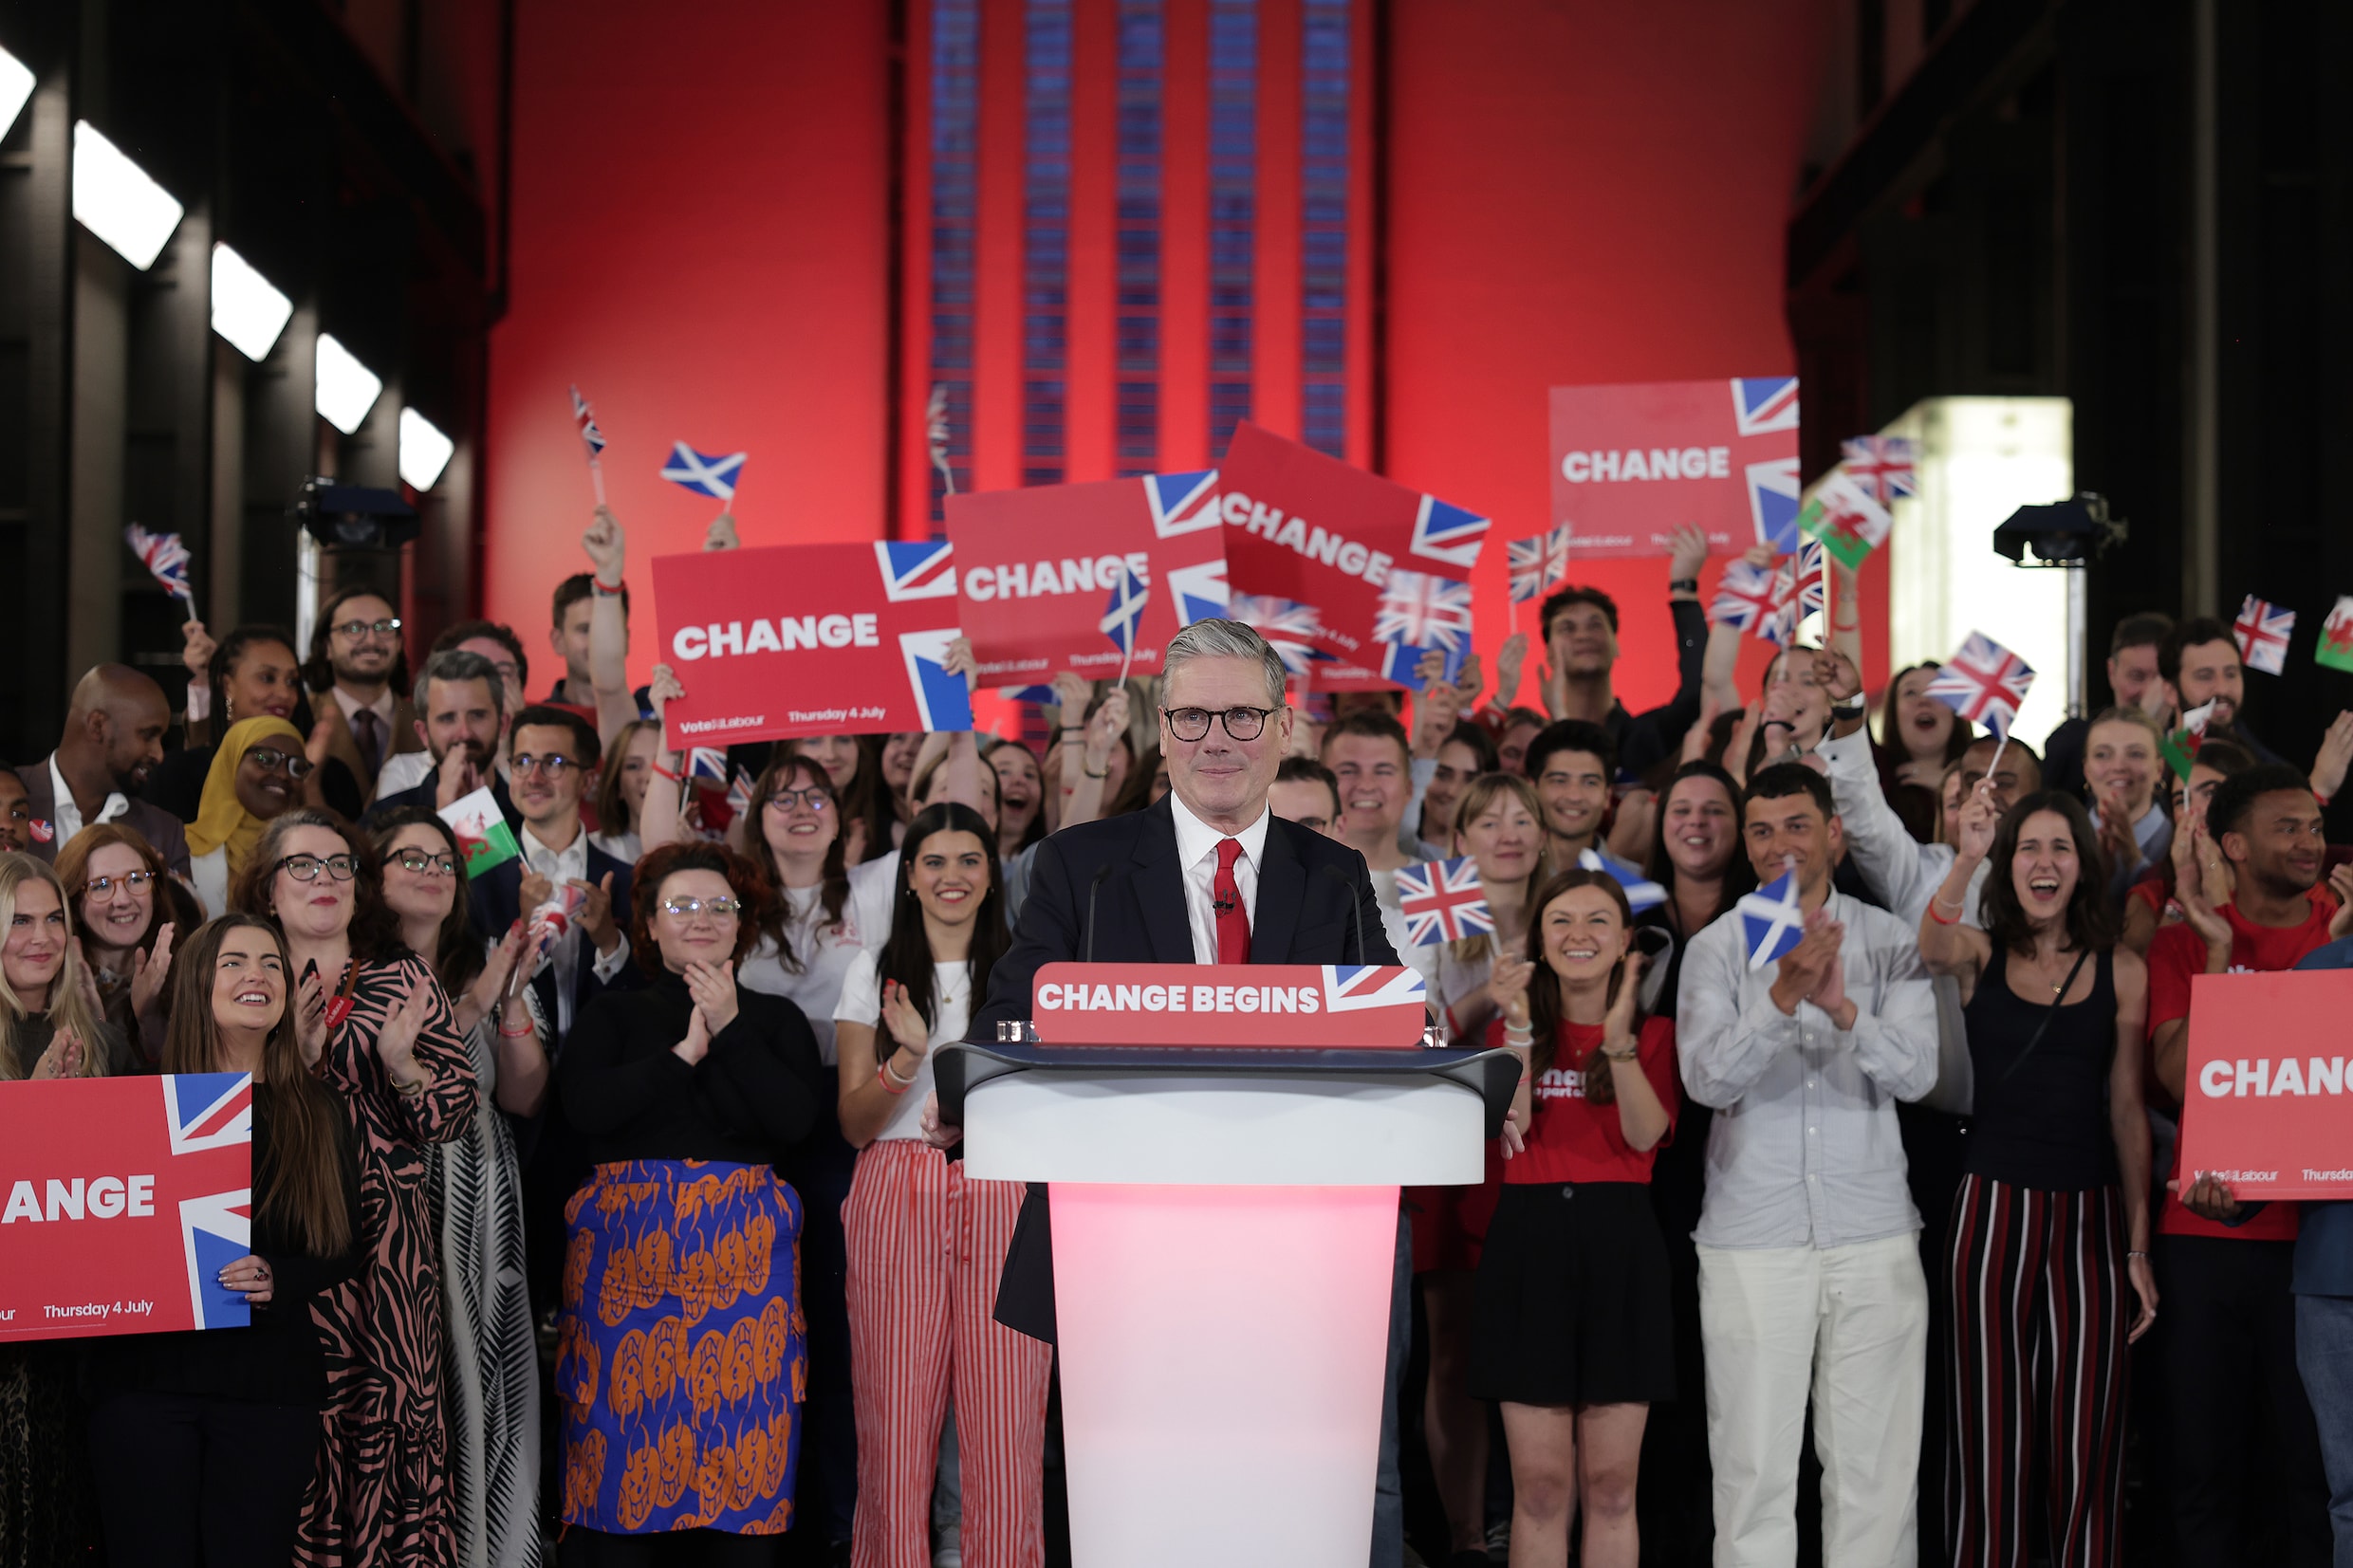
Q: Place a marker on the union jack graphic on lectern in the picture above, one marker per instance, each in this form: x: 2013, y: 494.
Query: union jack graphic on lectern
x: 1350, y: 987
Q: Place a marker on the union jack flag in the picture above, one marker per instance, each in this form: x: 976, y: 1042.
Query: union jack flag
x: 2263, y: 629
x: 739, y: 792
x: 1289, y: 625
x: 1442, y: 901
x: 1348, y: 987
x: 703, y: 473
x: 1881, y: 464
x: 923, y: 569
x: 1182, y: 503
x: 1425, y: 611
x: 590, y: 436
x: 1448, y: 533
x: 1537, y: 564
x: 165, y: 557
x: 1775, y: 496
x: 706, y: 765
x: 1125, y: 611
x: 1811, y: 581
x: 208, y: 1110
x: 1763, y: 403
x: 1748, y: 598
x: 1984, y: 683
x: 202, y: 1112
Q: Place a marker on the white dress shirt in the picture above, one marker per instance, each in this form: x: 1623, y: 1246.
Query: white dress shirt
x: 569, y: 864
x: 1197, y: 857
x: 67, y: 814
x: 1902, y: 870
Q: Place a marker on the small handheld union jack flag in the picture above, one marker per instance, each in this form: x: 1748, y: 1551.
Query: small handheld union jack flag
x: 739, y: 792
x: 1984, y: 683
x: 1287, y: 625
x: 166, y: 560
x: 2263, y: 629
x: 1537, y: 564
x: 1424, y: 610
x: 591, y: 438
x: 1749, y: 599
x: 1881, y: 464
x: 1812, y: 579
x: 1442, y: 901
x: 706, y: 765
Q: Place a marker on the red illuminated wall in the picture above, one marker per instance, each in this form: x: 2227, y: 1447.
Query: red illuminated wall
x: 1577, y: 191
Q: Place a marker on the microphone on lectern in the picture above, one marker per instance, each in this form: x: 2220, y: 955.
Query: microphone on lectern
x: 1092, y: 889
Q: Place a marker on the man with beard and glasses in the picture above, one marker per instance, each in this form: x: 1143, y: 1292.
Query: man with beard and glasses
x: 2199, y: 663
x: 113, y: 738
x: 464, y: 704
x: 358, y: 664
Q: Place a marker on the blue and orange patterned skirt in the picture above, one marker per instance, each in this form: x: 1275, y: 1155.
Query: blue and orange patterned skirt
x: 682, y: 1358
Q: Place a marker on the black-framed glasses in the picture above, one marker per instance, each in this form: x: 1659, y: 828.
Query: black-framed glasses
x: 816, y: 799
x: 552, y: 763
x: 270, y: 760
x: 1192, y: 724
x: 306, y: 868
x: 99, y: 887
x: 686, y: 909
x: 358, y: 629
x: 422, y: 862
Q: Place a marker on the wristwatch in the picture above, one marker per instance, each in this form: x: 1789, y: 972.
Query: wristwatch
x: 1683, y: 585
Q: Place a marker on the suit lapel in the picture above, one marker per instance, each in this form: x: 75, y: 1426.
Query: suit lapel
x: 1282, y: 893
x: 1160, y: 885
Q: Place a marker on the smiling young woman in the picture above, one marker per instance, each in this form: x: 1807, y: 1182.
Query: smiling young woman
x: 117, y: 880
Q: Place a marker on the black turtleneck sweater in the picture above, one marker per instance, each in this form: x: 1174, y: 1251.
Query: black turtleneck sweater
x: 630, y: 1097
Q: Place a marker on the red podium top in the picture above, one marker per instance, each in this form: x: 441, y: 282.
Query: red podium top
x: 1256, y: 1004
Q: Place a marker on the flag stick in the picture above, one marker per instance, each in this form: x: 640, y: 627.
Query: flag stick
x: 2000, y: 746
x: 1128, y: 655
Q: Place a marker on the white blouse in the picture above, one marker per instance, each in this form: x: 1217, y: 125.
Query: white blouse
x: 952, y: 1009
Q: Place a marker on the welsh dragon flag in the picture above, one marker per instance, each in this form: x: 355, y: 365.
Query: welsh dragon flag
x: 2336, y: 648
x: 2181, y: 748
x: 483, y: 835
x: 1847, y: 517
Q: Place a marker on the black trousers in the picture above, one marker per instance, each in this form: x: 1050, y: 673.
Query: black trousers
x: 2246, y: 1456
x: 183, y: 1481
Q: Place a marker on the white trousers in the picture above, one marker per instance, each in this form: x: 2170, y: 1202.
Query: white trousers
x: 1850, y: 1325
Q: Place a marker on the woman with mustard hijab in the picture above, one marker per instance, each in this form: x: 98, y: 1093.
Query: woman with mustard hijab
x: 259, y: 773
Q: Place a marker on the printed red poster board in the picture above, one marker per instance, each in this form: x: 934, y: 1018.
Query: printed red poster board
x: 1307, y: 531
x: 810, y: 639
x: 1252, y: 1005
x: 124, y: 1198
x: 1036, y: 569
x: 2270, y: 1105
x: 1633, y: 462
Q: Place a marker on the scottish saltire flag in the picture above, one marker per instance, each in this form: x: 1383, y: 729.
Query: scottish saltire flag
x: 1426, y: 611
x: 1770, y: 921
x: 1846, y: 517
x: 1811, y: 585
x: 590, y: 436
x: 1763, y: 403
x: 1290, y: 626
x: 2261, y: 630
x: 2336, y: 645
x: 1125, y: 611
x: 1984, y: 683
x: 703, y: 473
x: 706, y: 765
x: 1442, y: 901
x: 1881, y: 464
x: 166, y: 560
x: 1537, y: 564
x: 920, y: 568
x: 1749, y: 599
x: 739, y: 792
x: 1350, y: 987
x: 2181, y: 748
x: 1641, y: 893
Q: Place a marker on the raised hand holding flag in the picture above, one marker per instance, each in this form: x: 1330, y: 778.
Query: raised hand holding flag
x: 1442, y: 901
x: 166, y: 560
x: 592, y: 438
x: 2262, y: 631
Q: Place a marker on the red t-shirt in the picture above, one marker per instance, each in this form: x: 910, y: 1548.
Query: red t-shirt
x: 1571, y: 1139
x: 2176, y: 956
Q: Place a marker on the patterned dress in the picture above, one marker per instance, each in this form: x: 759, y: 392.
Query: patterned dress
x: 382, y: 1496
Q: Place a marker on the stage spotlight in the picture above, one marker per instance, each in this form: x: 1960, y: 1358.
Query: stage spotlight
x: 246, y: 310
x: 347, y: 389
x: 116, y: 201
x: 424, y: 451
x: 15, y: 87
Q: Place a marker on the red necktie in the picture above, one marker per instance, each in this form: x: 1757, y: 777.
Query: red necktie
x: 1226, y: 899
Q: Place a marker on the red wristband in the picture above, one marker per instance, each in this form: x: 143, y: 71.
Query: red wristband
x: 614, y: 592
x: 661, y: 772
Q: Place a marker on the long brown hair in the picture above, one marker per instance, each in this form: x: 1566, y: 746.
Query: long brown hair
x: 67, y: 1008
x: 301, y: 1186
x: 2090, y: 919
x: 456, y: 957
x: 1545, y: 1013
x: 834, y: 894
x: 374, y: 933
x: 907, y: 956
x: 73, y: 870
x: 1477, y: 797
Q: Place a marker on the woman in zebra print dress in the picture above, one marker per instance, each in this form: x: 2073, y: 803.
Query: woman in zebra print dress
x: 493, y: 1391
x: 380, y: 1033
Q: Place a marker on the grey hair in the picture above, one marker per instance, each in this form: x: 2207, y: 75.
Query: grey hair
x: 457, y: 664
x: 1215, y: 638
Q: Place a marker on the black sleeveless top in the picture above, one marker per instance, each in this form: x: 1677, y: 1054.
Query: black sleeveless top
x: 2045, y: 1125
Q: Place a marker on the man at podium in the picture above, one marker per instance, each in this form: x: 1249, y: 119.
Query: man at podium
x: 1208, y: 876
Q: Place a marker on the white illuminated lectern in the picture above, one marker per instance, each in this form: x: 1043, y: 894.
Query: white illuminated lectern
x: 1224, y: 1184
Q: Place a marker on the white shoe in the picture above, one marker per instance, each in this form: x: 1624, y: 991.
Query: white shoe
x: 950, y: 1552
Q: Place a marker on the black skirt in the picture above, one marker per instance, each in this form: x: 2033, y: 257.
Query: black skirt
x: 1570, y: 1306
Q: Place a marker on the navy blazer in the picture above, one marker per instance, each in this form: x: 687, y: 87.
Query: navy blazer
x: 497, y: 901
x: 1315, y: 905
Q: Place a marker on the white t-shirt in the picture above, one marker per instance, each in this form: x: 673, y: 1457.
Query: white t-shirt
x: 873, y: 885
x: 951, y: 1011
x: 1422, y: 960
x: 826, y: 953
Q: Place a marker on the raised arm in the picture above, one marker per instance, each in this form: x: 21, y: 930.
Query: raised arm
x: 1947, y: 945
x: 608, y: 626
x: 660, y: 821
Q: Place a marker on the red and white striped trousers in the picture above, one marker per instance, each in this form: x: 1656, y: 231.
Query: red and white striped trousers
x: 2041, y: 1307
x: 925, y: 1249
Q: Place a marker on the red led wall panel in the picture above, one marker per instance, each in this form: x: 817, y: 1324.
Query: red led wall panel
x: 701, y: 211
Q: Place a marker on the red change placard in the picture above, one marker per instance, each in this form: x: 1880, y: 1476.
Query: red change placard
x: 2270, y: 1103
x: 124, y: 1198
x: 810, y: 639
x: 1633, y: 462
x: 1232, y: 1005
x: 1036, y: 568
x: 1309, y: 530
